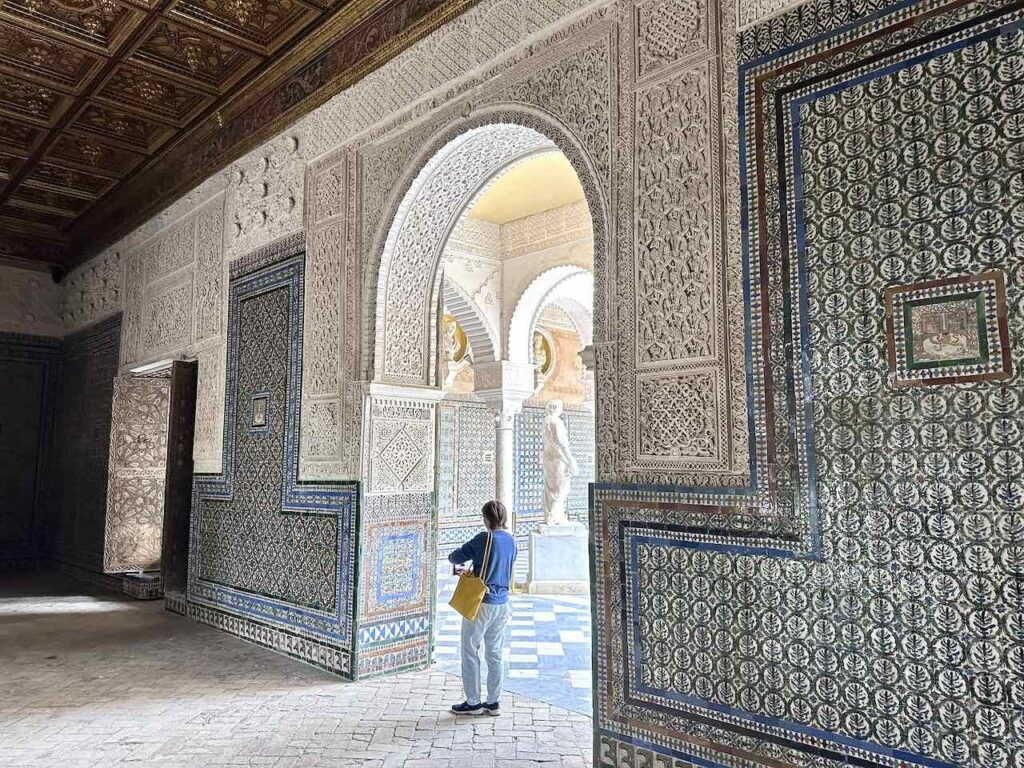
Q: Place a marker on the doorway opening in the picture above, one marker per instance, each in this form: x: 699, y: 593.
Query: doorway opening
x: 514, y: 323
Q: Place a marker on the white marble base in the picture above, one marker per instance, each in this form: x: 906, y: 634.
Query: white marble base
x: 559, y: 560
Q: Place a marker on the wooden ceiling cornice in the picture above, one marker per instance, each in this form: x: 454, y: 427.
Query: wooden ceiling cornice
x: 111, y: 109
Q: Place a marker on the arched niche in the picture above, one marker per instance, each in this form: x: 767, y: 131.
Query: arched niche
x: 569, y: 286
x: 447, y: 177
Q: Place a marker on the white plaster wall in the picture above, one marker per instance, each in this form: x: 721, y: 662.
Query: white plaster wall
x: 29, y: 302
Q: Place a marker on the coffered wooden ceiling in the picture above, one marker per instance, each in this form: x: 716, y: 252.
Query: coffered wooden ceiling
x: 109, y: 109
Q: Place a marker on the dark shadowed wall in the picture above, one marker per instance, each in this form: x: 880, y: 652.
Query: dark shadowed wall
x: 82, y: 445
x: 28, y: 376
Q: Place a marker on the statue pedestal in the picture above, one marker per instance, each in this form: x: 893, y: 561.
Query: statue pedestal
x: 559, y: 560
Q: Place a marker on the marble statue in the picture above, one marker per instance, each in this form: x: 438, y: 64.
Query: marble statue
x: 559, y: 465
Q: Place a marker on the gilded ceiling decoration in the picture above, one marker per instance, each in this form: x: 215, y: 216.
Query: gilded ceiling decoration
x: 109, y: 109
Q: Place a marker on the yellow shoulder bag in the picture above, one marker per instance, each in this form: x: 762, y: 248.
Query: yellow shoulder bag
x: 470, y: 591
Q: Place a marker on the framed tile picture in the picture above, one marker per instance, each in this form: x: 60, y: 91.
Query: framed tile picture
x: 259, y: 418
x: 948, y: 331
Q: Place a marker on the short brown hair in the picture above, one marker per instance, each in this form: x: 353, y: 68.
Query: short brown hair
x: 495, y: 514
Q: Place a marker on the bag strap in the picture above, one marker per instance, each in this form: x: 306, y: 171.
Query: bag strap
x: 487, y: 557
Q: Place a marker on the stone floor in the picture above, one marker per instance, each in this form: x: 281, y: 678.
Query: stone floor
x: 93, y: 679
x: 547, y: 650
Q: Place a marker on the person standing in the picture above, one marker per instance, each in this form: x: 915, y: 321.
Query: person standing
x: 488, y: 628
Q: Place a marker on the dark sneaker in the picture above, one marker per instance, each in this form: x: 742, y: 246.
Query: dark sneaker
x: 465, y: 708
x: 492, y: 709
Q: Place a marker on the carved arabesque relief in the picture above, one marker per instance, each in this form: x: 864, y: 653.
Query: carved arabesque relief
x: 265, y: 195
x: 436, y: 199
x: 677, y: 286
x: 138, y: 463
x: 401, y: 446
x: 92, y: 291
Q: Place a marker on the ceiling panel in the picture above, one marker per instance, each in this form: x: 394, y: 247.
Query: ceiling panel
x: 48, y: 61
x: 123, y: 128
x: 98, y: 24
x: 263, y: 25
x: 67, y: 181
x: 81, y: 151
x: 137, y: 89
x: 196, y: 56
x: 30, y: 102
x: 111, y: 108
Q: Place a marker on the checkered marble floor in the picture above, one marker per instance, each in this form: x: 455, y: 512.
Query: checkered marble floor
x: 548, y: 648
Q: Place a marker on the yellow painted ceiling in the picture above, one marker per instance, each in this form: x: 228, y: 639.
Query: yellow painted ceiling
x: 536, y: 185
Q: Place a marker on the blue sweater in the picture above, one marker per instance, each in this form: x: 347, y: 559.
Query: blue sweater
x: 499, y: 566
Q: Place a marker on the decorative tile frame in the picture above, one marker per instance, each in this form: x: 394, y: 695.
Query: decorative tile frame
x: 321, y: 634
x: 986, y: 355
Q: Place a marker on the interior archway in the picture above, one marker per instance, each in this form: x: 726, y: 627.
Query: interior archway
x: 426, y: 308
x: 453, y: 170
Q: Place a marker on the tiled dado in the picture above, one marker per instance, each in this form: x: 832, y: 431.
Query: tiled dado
x: 271, y: 558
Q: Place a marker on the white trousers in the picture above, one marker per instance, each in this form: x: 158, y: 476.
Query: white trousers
x: 488, y: 628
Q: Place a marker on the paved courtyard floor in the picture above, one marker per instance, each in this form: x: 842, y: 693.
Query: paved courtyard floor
x: 88, y: 678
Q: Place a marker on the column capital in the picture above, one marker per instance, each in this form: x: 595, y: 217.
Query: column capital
x: 504, y: 386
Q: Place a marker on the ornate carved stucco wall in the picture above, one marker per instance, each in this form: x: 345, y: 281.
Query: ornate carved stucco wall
x: 263, y: 197
x: 30, y: 303
x: 764, y: 493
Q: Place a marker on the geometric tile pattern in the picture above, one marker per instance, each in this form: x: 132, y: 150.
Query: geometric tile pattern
x: 465, y: 468
x: 948, y: 331
x: 271, y: 558
x: 845, y: 609
x: 395, y: 582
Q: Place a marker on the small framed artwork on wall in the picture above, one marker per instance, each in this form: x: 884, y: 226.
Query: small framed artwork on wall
x: 948, y: 331
x: 259, y: 416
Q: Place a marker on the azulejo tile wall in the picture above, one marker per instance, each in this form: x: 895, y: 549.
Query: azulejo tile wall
x: 396, y: 581
x: 465, y: 469
x: 860, y: 602
x: 271, y: 558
